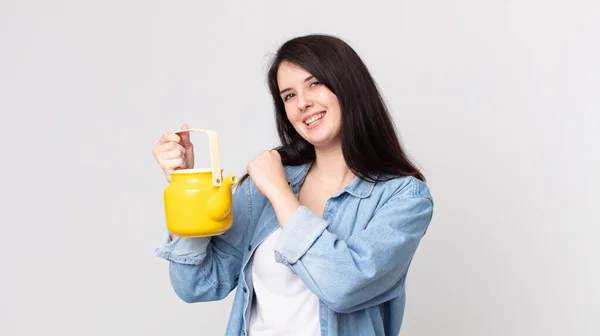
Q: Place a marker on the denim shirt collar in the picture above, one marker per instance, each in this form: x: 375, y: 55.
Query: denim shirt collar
x: 357, y: 188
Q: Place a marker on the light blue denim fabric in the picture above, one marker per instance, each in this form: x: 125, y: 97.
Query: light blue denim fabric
x: 355, y: 258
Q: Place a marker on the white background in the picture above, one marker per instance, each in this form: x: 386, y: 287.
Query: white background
x: 497, y: 101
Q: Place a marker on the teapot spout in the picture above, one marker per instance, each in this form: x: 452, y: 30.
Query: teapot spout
x: 219, y: 204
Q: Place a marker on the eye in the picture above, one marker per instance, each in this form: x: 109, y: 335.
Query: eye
x: 315, y: 83
x: 288, y: 97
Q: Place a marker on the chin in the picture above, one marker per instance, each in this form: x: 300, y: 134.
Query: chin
x: 323, y: 142
x: 319, y: 137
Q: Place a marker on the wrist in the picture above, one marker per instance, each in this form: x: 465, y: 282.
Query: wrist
x: 279, y: 192
x: 285, y: 204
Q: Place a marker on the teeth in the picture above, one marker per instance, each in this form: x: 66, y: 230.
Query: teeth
x: 314, y: 118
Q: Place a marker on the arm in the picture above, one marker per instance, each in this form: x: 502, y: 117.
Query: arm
x: 368, y: 266
x: 207, y: 268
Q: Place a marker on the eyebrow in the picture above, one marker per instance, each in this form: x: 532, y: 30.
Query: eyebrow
x: 288, y: 89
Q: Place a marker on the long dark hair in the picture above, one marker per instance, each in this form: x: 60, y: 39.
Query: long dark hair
x: 369, y: 141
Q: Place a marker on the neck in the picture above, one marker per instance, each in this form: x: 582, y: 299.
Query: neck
x: 330, y: 165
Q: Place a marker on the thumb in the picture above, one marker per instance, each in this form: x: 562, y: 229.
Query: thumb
x: 185, y: 137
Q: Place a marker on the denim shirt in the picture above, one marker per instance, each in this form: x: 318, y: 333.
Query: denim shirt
x: 354, y: 258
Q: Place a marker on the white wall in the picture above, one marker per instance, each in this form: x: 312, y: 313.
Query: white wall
x: 496, y: 100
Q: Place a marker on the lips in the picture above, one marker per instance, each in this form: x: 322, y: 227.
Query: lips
x: 313, y: 117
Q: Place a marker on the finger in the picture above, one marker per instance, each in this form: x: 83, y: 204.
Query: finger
x: 169, y: 146
x: 185, y: 137
x: 162, y: 140
x: 160, y: 151
x: 173, y: 164
x: 172, y: 154
x: 169, y: 136
x: 262, y: 156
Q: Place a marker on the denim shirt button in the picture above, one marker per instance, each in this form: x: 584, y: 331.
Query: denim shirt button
x: 245, y: 290
x: 249, y: 247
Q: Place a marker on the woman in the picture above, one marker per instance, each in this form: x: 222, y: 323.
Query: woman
x: 325, y: 226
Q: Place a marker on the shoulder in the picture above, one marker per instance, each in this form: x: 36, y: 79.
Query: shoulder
x: 406, y: 199
x: 402, y: 187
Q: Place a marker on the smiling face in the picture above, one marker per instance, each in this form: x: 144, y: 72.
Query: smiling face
x: 310, y: 106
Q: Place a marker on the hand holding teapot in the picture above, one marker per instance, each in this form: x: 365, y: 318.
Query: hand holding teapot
x: 198, y: 202
x: 174, y: 151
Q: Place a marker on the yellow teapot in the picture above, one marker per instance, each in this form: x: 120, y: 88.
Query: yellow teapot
x: 198, y: 202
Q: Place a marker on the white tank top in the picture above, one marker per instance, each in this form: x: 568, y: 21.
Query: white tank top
x: 283, y: 305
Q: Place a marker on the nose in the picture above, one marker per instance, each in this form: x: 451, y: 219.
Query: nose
x: 304, y: 101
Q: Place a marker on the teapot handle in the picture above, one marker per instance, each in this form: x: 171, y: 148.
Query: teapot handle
x: 217, y: 176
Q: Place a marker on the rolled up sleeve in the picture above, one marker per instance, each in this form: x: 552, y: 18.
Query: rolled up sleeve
x: 298, y: 235
x: 188, y: 251
x: 366, y: 268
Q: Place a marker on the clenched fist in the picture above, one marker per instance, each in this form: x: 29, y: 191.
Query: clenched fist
x: 268, y: 174
x: 174, y: 151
